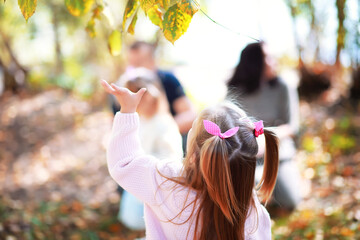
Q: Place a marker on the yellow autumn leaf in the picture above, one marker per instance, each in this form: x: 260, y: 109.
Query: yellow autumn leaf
x: 78, y: 7
x: 147, y: 4
x: 27, y: 7
x: 115, y: 43
x: 189, y: 6
x: 156, y: 16
x: 130, y: 8
x: 346, y: 232
x: 175, y: 23
x: 164, y: 4
x: 131, y: 28
x: 97, y: 11
x: 90, y: 28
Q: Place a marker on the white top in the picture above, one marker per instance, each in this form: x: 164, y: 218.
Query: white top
x: 160, y: 137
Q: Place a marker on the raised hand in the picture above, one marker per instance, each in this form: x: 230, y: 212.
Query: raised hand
x: 127, y: 99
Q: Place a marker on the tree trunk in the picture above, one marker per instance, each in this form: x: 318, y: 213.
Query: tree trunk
x: 10, y: 83
x: 11, y: 70
x: 355, y: 87
x: 58, y: 55
x: 315, y: 31
x: 296, y: 36
x: 341, y: 32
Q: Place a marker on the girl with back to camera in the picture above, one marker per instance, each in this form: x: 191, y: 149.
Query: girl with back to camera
x: 211, y: 194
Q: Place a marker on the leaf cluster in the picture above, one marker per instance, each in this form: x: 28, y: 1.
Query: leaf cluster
x: 172, y: 17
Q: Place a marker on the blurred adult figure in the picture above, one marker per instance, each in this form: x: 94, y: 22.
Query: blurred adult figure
x: 142, y: 54
x: 257, y: 88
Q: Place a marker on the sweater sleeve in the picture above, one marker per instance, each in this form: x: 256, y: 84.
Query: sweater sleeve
x: 127, y: 163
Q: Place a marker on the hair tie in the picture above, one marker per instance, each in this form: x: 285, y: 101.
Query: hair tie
x: 214, y: 129
x: 259, y: 128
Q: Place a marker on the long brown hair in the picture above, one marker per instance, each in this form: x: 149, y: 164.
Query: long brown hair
x: 222, y: 171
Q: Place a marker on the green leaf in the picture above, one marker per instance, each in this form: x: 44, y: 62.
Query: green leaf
x: 36, y: 221
x: 115, y: 43
x: 156, y: 16
x: 27, y: 7
x: 78, y: 7
x: 175, y: 23
x: 131, y: 28
x: 130, y: 9
x: 189, y: 6
x: 147, y: 4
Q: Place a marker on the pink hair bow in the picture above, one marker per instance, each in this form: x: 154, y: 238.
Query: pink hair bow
x: 259, y: 128
x: 214, y: 129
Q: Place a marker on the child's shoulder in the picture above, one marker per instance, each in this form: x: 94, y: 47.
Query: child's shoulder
x: 170, y: 168
x: 258, y: 223
x: 168, y: 175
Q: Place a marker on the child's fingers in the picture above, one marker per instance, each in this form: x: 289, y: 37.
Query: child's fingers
x: 119, y: 90
x: 107, y: 87
x: 141, y: 92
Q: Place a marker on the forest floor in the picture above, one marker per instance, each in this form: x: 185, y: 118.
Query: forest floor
x: 54, y: 182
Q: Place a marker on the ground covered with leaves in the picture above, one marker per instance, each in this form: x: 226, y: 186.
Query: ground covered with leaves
x: 53, y: 174
x: 329, y: 160
x: 55, y: 184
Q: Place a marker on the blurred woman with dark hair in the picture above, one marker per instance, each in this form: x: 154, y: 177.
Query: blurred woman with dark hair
x: 260, y: 92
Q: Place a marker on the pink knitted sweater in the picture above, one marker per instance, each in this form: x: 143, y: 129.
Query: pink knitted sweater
x: 139, y: 174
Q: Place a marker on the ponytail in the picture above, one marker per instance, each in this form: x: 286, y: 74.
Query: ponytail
x: 222, y: 172
x: 271, y: 164
x: 215, y: 168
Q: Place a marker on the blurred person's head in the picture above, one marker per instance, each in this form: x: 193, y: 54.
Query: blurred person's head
x: 141, y: 54
x: 154, y: 100
x: 256, y: 65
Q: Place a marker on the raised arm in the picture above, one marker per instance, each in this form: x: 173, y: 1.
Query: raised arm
x: 127, y: 163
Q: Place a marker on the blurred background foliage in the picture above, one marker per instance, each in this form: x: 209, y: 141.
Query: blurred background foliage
x: 53, y: 178
x: 50, y: 57
x: 53, y: 37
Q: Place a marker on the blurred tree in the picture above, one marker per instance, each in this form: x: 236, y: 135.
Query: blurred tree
x: 47, y: 40
x: 355, y: 50
x: 341, y: 32
x: 55, y: 19
x: 13, y: 72
x: 314, y: 79
x: 305, y: 9
x: 312, y: 83
x: 51, y: 56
